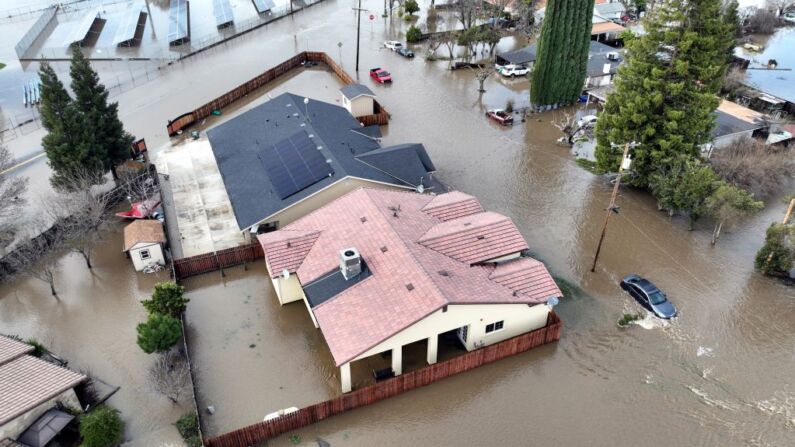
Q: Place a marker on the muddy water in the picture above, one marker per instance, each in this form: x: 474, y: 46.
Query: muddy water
x: 92, y: 326
x: 720, y: 374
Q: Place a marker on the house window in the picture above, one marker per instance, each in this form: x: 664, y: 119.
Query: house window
x: 494, y: 327
x: 145, y: 254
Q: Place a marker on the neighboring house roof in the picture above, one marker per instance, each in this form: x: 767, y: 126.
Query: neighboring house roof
x: 46, y: 427
x: 606, y: 27
x: 5, y: 442
x: 421, y: 252
x: 528, y: 54
x: 609, y: 8
x: 403, y: 161
x: 238, y: 143
x: 11, y: 349
x: 353, y: 91
x: 726, y: 124
x: 143, y: 230
x: 738, y: 111
x: 27, y: 382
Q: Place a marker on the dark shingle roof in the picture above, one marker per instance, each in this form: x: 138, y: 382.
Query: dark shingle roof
x: 332, y: 284
x: 726, y: 124
x: 403, y: 161
x: 237, y: 143
x: 528, y: 53
x: 352, y: 91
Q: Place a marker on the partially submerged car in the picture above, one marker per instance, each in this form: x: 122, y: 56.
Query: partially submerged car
x: 393, y: 45
x: 512, y: 70
x: 405, y: 52
x: 380, y: 75
x: 500, y: 116
x: 648, y: 296
x: 587, y: 121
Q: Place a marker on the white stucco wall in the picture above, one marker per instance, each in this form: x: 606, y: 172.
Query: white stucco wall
x: 17, y: 426
x: 155, y: 255
x: 518, y: 318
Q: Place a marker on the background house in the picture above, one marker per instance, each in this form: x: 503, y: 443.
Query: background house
x: 30, y: 387
x: 381, y: 269
x: 358, y: 100
x: 144, y: 240
x: 286, y: 158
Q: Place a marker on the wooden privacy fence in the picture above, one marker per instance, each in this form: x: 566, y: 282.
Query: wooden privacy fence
x: 210, y: 262
x: 262, y: 431
x: 186, y: 119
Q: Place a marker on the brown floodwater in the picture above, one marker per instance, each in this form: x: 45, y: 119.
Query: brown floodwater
x: 719, y: 374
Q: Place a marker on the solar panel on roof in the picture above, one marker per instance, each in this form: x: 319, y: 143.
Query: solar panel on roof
x: 222, y: 10
x: 293, y: 164
x: 178, y: 22
x: 263, y: 5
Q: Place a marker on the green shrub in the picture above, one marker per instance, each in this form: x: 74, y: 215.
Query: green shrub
x: 188, y: 428
x: 159, y: 333
x: 411, y: 6
x: 101, y: 428
x: 167, y: 299
x: 777, y: 256
x: 413, y: 34
x: 626, y: 319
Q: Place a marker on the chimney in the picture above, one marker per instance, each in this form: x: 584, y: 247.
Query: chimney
x: 350, y: 263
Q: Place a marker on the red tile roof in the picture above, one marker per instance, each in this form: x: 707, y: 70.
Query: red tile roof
x: 452, y: 205
x: 386, y: 227
x: 285, y: 250
x: 11, y: 349
x: 28, y: 382
x: 476, y: 238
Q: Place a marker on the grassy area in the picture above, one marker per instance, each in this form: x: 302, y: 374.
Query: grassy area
x: 587, y: 164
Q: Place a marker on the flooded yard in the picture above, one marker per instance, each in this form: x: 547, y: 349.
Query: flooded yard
x: 92, y: 326
x: 719, y: 374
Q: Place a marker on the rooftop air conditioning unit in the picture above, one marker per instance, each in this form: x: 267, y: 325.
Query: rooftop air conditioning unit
x: 350, y: 263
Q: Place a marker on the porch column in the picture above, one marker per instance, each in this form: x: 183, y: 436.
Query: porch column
x: 345, y: 376
x: 433, y: 347
x: 397, y: 360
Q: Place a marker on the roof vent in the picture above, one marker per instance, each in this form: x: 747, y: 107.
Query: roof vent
x: 395, y: 210
x: 384, y: 249
x: 409, y: 287
x: 350, y: 263
x: 363, y: 219
x: 444, y: 273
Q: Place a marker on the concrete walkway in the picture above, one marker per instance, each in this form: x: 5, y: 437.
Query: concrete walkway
x: 204, y: 214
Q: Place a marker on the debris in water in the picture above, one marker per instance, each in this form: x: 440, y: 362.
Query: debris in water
x: 211, y: 409
x: 702, y: 351
x: 252, y: 345
x: 627, y: 319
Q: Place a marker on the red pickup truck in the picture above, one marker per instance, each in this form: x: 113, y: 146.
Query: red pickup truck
x: 380, y: 75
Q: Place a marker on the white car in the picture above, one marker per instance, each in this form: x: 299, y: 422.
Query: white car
x: 393, y: 45
x: 510, y: 71
x: 789, y: 17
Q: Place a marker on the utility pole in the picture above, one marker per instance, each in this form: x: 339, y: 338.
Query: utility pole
x: 612, y: 208
x: 358, y: 29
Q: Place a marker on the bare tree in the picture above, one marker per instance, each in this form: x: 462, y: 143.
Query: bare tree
x: 170, y: 375
x: 450, y: 40
x: 748, y: 164
x: 12, y: 190
x: 481, y: 74
x: 466, y: 12
x: 780, y: 6
x: 434, y: 42
x: 568, y: 124
x: 38, y: 258
x: 82, y: 214
x: 763, y: 21
x: 139, y: 186
x: 733, y: 81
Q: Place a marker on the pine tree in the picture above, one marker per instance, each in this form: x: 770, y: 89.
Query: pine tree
x: 91, y: 99
x: 562, y: 58
x: 69, y: 143
x: 665, y: 94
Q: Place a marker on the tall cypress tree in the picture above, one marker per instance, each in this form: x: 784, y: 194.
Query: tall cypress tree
x: 562, y: 57
x: 665, y: 93
x: 91, y: 99
x: 69, y: 143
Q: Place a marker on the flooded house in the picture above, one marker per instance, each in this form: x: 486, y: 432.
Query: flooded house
x: 287, y: 157
x: 358, y: 100
x: 379, y: 270
x: 32, y: 392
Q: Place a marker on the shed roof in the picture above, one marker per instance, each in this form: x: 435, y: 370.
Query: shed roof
x: 27, y: 382
x: 726, y: 124
x: 11, y: 349
x: 143, y: 230
x: 353, y: 91
x: 237, y: 143
x: 422, y: 252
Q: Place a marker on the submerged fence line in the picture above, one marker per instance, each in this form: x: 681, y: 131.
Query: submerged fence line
x: 263, y: 431
x: 219, y: 260
x: 186, y: 119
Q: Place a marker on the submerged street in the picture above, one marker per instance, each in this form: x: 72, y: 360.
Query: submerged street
x: 718, y: 374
